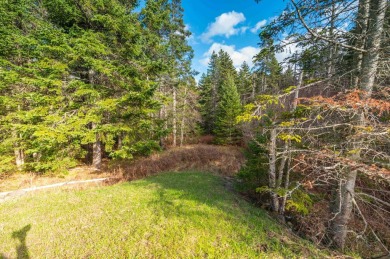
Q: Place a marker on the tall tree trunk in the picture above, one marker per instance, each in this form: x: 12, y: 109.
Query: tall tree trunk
x: 120, y: 141
x: 371, y: 57
x: 370, y: 65
x: 182, y: 125
x: 272, y: 172
x: 253, y: 87
x: 344, y: 201
x: 330, y: 69
x: 161, y: 115
x: 96, y: 146
x: 19, y: 157
x: 342, y: 209
x: 280, y: 174
x: 286, y: 184
x: 96, y: 151
x: 214, y: 103
x: 174, y: 126
x: 18, y: 151
x: 296, y: 93
x: 362, y: 25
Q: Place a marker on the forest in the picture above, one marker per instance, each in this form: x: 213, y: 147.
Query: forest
x: 110, y: 83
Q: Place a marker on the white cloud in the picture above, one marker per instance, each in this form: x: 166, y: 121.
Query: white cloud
x: 224, y: 25
x: 237, y: 55
x: 190, y: 39
x: 244, y: 29
x: 258, y: 26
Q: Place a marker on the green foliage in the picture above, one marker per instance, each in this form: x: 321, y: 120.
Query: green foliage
x: 255, y: 171
x: 253, y: 179
x: 229, y: 107
x: 268, y: 68
x: 300, y: 202
x: 244, y: 84
x: 290, y: 137
x: 260, y: 111
x: 221, y: 76
x: 73, y: 71
x: 289, y: 89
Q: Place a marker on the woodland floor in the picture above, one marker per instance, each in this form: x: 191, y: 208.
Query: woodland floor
x: 224, y: 160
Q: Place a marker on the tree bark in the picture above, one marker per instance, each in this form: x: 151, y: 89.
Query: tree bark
x: 280, y: 175
x: 342, y: 210
x: 253, y: 87
x: 286, y: 185
x: 96, y: 146
x: 18, y: 151
x: 161, y: 116
x: 96, y: 151
x: 371, y: 57
x: 272, y: 172
x: 362, y: 25
x: 120, y: 141
x: 174, y: 126
x: 330, y: 69
x: 344, y: 200
x: 19, y: 157
x: 182, y: 125
x: 296, y: 94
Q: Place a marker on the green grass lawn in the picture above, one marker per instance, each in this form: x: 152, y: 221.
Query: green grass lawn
x: 171, y: 215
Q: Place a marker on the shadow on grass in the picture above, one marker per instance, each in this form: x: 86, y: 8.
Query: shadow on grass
x: 208, y: 190
x: 205, y: 189
x: 22, y: 249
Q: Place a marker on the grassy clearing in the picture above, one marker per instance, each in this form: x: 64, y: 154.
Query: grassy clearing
x: 172, y: 215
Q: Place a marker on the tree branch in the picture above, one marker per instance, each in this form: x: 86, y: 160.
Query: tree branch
x: 316, y: 35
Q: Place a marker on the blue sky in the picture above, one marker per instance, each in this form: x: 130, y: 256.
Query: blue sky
x: 228, y: 24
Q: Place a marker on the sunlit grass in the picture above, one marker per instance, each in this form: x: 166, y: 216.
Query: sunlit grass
x: 172, y: 215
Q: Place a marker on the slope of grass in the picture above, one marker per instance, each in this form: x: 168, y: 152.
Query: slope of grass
x: 172, y: 215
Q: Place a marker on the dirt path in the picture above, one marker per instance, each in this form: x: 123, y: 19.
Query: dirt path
x: 12, y: 194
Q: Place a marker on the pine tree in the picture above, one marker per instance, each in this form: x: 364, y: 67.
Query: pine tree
x: 66, y: 84
x: 287, y: 78
x: 229, y: 107
x: 268, y: 69
x: 220, y: 70
x: 168, y: 43
x: 244, y: 83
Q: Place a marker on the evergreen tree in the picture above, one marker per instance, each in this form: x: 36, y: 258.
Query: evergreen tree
x: 245, y: 86
x: 226, y: 68
x: 168, y: 43
x: 287, y: 78
x: 268, y: 69
x: 229, y: 107
x: 220, y: 70
x: 66, y: 84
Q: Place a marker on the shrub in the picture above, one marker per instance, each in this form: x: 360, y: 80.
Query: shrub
x: 255, y: 171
